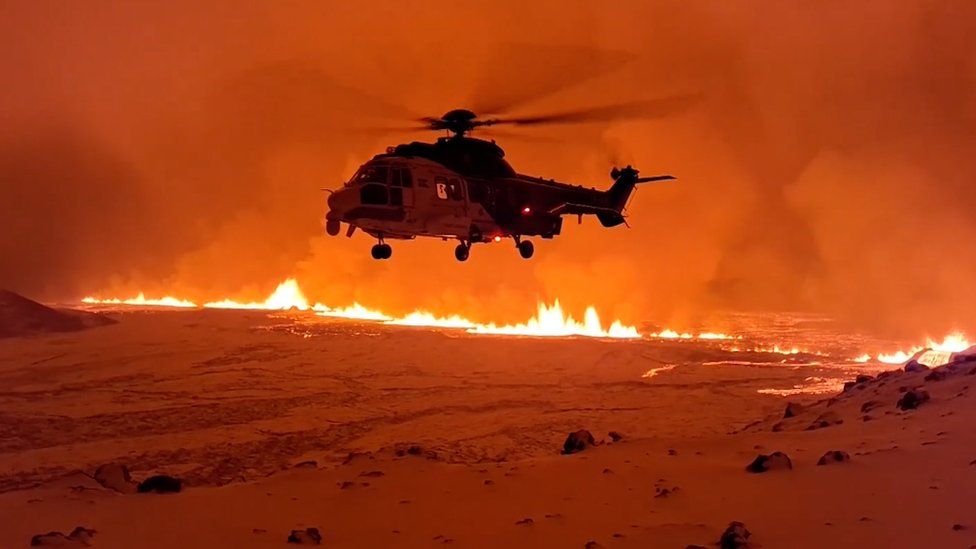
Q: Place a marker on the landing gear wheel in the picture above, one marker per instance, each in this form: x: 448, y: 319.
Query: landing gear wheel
x: 526, y: 249
x: 381, y: 251
x: 462, y: 251
x: 332, y: 227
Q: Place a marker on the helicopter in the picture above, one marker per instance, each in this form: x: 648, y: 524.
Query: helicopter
x: 462, y: 188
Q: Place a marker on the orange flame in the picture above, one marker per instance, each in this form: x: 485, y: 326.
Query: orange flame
x: 141, y: 300
x: 952, y: 343
x: 549, y: 320
x: 286, y: 296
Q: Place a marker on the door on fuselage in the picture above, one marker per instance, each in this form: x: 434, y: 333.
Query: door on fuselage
x: 449, y: 203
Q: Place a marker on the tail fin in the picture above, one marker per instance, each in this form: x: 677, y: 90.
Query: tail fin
x: 624, y: 182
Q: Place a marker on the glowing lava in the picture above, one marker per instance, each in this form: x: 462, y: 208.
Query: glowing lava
x: 285, y: 297
x: 713, y: 336
x: 421, y: 318
x: 354, y: 312
x: 550, y: 321
x: 141, y: 300
x: 952, y: 343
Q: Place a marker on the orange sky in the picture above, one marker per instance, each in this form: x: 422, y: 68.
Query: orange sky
x: 180, y: 149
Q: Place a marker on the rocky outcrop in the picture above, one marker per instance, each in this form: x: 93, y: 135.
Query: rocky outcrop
x: 20, y: 316
x: 834, y: 456
x: 160, y: 484
x: 578, y: 441
x: 777, y: 461
x: 736, y: 536
x: 308, y: 536
x: 115, y: 476
x: 912, y: 399
x: 79, y: 537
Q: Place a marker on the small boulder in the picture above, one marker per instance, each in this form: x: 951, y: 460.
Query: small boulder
x: 615, y: 436
x: 736, y: 536
x: 912, y: 399
x: 792, y: 410
x: 914, y: 366
x: 115, y: 476
x: 308, y: 536
x: 773, y: 462
x: 79, y: 537
x: 869, y: 405
x: 834, y: 456
x: 578, y: 441
x: 935, y: 375
x: 863, y: 378
x: 824, y: 420
x: 160, y: 484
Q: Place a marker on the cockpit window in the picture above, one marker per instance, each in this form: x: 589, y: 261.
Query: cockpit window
x: 370, y: 174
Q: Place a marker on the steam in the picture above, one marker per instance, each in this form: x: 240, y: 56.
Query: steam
x: 828, y: 166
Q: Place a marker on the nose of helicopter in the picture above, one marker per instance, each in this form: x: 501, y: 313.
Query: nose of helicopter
x: 340, y: 202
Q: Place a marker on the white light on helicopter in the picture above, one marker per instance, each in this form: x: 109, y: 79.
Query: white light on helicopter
x: 498, y: 239
x: 526, y: 210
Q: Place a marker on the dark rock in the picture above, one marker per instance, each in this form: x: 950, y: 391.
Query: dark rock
x: 736, y: 536
x: 772, y: 462
x: 578, y: 441
x: 115, y: 476
x: 310, y: 464
x: 792, y: 410
x: 79, y: 537
x: 615, y: 436
x: 372, y: 474
x: 862, y: 378
x: 411, y: 449
x: 592, y: 545
x: 888, y: 373
x: 848, y: 385
x: 935, y: 375
x: 912, y: 399
x: 834, y: 456
x: 160, y: 484
x: 824, y: 420
x: 913, y: 366
x: 358, y: 456
x: 958, y: 527
x: 672, y: 452
x: 308, y: 536
x: 869, y: 405
x: 525, y: 522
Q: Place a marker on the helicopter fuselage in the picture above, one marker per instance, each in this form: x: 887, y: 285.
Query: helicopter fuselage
x: 462, y: 188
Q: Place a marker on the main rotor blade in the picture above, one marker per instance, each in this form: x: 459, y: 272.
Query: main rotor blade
x: 541, y: 71
x: 654, y: 108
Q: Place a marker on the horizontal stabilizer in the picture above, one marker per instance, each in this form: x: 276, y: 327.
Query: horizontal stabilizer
x: 655, y: 178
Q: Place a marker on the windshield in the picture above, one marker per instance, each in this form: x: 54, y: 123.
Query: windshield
x: 370, y: 174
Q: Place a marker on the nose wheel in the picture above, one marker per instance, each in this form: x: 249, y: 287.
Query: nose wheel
x: 462, y: 251
x: 381, y: 251
x: 525, y: 248
x: 332, y: 227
